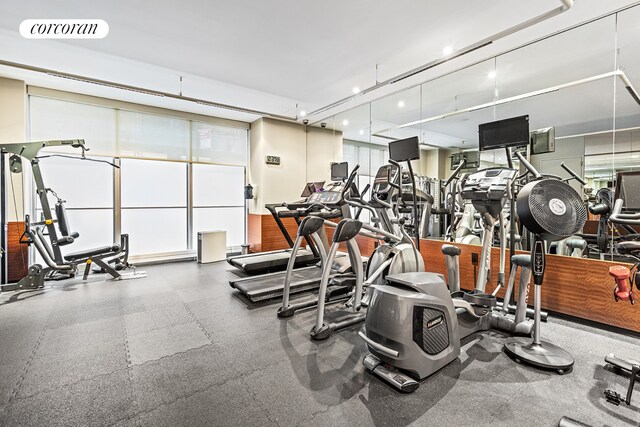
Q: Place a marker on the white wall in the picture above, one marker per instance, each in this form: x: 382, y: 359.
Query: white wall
x: 13, y: 129
x: 305, y: 155
x: 324, y: 146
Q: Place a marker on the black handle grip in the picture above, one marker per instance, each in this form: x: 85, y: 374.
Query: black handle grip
x: 573, y: 174
x: 350, y: 180
x: 455, y: 172
x: 528, y: 165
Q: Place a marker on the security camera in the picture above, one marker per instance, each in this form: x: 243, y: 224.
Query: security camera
x: 305, y: 121
x: 324, y: 125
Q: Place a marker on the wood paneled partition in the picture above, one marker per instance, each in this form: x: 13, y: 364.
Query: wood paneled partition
x: 17, y: 254
x: 573, y: 286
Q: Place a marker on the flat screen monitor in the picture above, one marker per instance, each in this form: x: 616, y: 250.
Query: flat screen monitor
x: 628, y: 189
x: 543, y: 141
x: 513, y: 132
x: 339, y: 171
x: 404, y: 149
x: 472, y: 160
x: 312, y: 187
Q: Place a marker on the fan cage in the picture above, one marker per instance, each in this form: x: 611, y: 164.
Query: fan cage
x: 564, y: 225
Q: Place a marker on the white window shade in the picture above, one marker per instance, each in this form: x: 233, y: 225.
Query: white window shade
x: 150, y: 136
x: 56, y: 119
x: 215, y: 185
x: 95, y: 227
x: 218, y: 144
x: 82, y: 183
x: 230, y: 220
x: 153, y: 231
x: 147, y: 183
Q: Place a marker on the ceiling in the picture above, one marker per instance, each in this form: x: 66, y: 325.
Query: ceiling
x: 577, y: 59
x: 282, y: 57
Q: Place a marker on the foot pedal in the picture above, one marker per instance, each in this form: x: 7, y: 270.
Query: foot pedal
x: 390, y: 375
x: 613, y: 397
x: 480, y: 298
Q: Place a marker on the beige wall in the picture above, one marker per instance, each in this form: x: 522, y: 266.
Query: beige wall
x: 324, y: 146
x: 13, y: 129
x: 305, y: 155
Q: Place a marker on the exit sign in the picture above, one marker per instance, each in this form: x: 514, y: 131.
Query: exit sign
x: 273, y: 160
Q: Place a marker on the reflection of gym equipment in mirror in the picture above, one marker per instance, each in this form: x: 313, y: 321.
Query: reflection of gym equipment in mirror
x: 49, y: 239
x: 626, y: 211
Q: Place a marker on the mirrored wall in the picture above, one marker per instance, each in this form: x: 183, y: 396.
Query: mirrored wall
x: 583, y: 83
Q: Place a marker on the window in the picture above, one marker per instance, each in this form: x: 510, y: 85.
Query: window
x: 155, y: 152
x: 154, y: 205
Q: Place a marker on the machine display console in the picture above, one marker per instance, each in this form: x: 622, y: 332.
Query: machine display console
x: 488, y: 184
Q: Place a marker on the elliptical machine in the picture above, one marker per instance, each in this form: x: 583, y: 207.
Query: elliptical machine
x: 439, y: 318
x: 397, y: 254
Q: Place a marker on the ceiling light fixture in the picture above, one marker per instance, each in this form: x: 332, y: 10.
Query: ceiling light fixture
x: 355, y: 90
x: 303, y: 113
x: 361, y: 132
x: 492, y: 74
x: 345, y: 122
x: 448, y: 50
x: 400, y: 104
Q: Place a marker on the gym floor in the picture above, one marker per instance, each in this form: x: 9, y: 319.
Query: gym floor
x: 181, y: 347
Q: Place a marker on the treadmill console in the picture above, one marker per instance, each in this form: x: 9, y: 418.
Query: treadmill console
x: 487, y: 189
x: 488, y: 184
x: 326, y: 197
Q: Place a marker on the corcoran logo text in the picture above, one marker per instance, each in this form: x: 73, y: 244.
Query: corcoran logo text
x: 64, y: 29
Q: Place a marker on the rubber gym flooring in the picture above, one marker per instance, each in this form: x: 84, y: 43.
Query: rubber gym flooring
x: 181, y: 347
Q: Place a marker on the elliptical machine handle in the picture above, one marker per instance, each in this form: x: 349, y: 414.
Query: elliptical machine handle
x: 618, y: 217
x: 349, y: 181
x: 528, y: 165
x: 573, y: 174
x: 455, y: 172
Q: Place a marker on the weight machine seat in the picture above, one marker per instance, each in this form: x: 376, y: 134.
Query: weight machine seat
x: 92, y: 252
x: 629, y: 247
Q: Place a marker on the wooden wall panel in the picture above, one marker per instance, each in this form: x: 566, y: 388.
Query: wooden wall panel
x: 572, y: 286
x: 254, y: 232
x: 17, y: 254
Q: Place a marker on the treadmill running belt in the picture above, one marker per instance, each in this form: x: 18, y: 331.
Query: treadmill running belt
x: 269, y: 261
x: 262, y: 288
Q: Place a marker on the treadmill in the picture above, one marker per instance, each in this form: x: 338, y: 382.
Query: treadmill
x: 270, y: 285
x: 264, y: 262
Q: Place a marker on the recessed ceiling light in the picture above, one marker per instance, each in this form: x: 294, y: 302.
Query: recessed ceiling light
x: 361, y: 132
x: 355, y: 90
x: 400, y: 104
x: 448, y: 50
x: 345, y: 122
x: 303, y: 113
x: 491, y: 75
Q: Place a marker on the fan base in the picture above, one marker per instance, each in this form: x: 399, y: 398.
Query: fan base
x: 544, y: 355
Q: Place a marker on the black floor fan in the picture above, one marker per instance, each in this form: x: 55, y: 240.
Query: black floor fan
x: 552, y: 210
